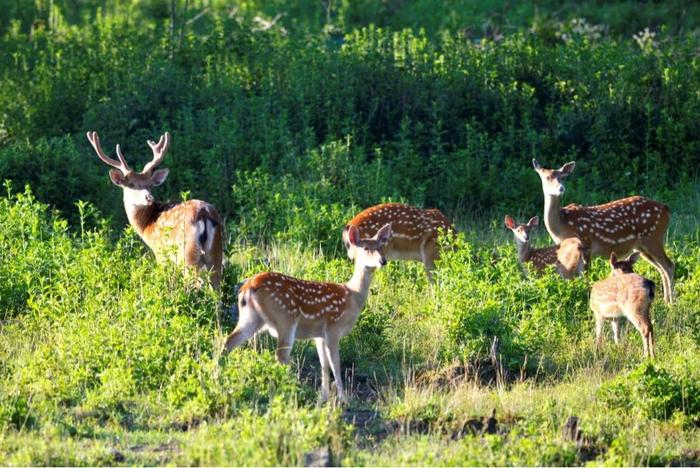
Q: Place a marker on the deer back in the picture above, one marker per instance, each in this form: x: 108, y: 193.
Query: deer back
x: 630, y: 290
x: 410, y: 225
x: 618, y: 225
x: 295, y: 298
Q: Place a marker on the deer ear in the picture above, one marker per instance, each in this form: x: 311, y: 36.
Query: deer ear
x: 568, y: 168
x: 535, y: 164
x: 613, y: 259
x: 159, y: 176
x: 353, y: 235
x: 633, y: 258
x: 510, y: 223
x: 117, y: 177
x: 384, y: 234
x: 534, y: 221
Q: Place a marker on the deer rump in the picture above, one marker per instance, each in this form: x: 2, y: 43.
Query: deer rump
x: 609, y: 297
x: 195, y: 240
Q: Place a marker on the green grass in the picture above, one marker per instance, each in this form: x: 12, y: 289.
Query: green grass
x: 109, y: 358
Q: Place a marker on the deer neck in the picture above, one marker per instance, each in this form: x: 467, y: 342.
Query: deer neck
x: 524, y: 251
x: 359, y: 284
x: 141, y: 216
x: 552, y: 216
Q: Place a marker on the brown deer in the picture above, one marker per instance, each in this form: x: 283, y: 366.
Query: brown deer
x: 291, y: 308
x: 567, y: 257
x: 414, y: 232
x: 190, y: 232
x: 620, y: 226
x: 624, y: 294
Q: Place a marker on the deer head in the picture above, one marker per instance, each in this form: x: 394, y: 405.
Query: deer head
x: 621, y: 267
x: 136, y: 185
x: 368, y: 252
x: 522, y: 231
x: 552, y: 178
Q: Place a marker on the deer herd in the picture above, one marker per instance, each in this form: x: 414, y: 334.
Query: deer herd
x: 191, y: 234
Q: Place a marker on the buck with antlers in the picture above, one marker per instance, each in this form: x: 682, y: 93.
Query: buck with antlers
x: 414, y: 232
x: 619, y: 226
x: 190, y: 232
x: 568, y: 257
x: 624, y: 294
x: 291, y: 308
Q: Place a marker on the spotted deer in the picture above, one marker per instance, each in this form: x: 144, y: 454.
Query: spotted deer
x: 414, y: 232
x: 624, y: 294
x: 291, y: 308
x: 620, y: 226
x: 567, y: 257
x: 189, y: 233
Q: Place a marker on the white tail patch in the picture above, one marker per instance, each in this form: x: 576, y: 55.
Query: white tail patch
x: 204, y: 233
x: 210, y: 235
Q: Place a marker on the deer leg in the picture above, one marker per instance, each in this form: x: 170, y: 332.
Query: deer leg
x: 332, y: 343
x: 325, y: 369
x: 599, y: 321
x: 285, y: 341
x: 643, y: 325
x: 654, y: 253
x: 428, y: 251
x: 616, y: 330
x: 248, y: 325
x: 650, y: 341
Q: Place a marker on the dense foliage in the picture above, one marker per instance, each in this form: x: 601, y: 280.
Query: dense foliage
x: 448, y: 120
x: 290, y: 117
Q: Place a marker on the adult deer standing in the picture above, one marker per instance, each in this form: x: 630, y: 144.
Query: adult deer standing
x: 624, y: 294
x: 291, y: 308
x: 568, y: 257
x: 619, y: 226
x: 414, y: 232
x: 190, y: 232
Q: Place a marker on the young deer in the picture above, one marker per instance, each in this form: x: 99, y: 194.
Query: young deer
x: 291, y: 308
x: 414, y: 232
x: 190, y: 232
x: 620, y: 226
x: 568, y: 257
x: 624, y: 293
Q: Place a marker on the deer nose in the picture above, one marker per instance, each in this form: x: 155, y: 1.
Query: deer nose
x: 382, y: 261
x: 561, y: 189
x: 149, y: 198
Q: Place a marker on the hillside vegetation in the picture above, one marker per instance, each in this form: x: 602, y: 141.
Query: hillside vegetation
x: 290, y: 117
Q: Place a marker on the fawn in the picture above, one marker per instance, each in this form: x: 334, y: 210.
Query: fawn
x: 624, y: 293
x: 568, y: 257
x: 291, y: 308
x: 414, y: 232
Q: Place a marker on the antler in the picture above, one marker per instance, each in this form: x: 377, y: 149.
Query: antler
x: 159, y: 149
x: 121, y: 164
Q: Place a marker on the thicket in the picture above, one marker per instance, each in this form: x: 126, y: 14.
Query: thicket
x: 448, y: 120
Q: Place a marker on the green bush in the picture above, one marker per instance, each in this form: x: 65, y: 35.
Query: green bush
x: 655, y: 391
x: 482, y: 295
x: 96, y: 328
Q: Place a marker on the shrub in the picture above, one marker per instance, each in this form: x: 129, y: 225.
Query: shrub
x: 656, y: 391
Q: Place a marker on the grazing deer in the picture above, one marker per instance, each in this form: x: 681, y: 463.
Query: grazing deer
x: 414, y: 232
x: 568, y: 257
x: 624, y: 293
x: 620, y: 226
x: 190, y: 232
x: 291, y: 308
